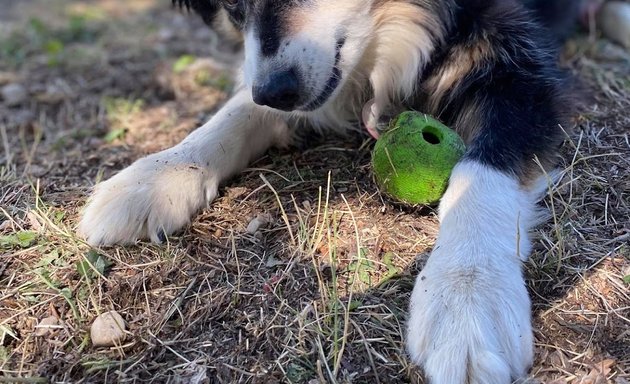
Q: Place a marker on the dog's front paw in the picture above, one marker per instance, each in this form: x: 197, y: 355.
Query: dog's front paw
x: 151, y: 198
x: 470, y: 325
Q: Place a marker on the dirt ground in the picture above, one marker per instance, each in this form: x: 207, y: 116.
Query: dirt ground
x: 319, y: 293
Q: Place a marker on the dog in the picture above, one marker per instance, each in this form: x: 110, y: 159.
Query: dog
x: 486, y: 68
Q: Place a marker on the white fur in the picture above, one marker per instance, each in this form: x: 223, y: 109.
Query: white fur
x: 470, y: 311
x: 161, y: 192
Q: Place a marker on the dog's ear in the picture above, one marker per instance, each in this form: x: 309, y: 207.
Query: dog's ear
x: 207, y: 9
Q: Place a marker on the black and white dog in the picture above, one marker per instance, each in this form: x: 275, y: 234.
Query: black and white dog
x: 483, y: 67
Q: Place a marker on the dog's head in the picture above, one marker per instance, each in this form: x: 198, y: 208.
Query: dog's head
x: 298, y: 53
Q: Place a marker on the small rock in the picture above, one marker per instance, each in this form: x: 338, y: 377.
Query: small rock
x: 273, y: 262
x: 108, y: 330
x: 6, y: 225
x: 614, y: 20
x: 236, y: 192
x: 8, y: 77
x: 36, y: 170
x: 95, y: 142
x: 46, y: 325
x: 13, y: 94
x: 34, y: 221
x: 22, y: 117
x: 257, y: 223
x: 165, y: 34
x: 53, y: 94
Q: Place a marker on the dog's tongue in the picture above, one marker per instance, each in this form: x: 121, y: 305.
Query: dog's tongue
x: 370, y: 118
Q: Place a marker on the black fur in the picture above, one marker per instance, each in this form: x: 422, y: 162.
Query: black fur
x: 207, y: 9
x: 559, y: 16
x: 518, y: 90
x: 269, y: 20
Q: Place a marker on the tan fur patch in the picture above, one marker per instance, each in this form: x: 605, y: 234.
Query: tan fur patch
x: 405, y: 38
x: 297, y: 20
x: 461, y: 62
x: 226, y: 28
x: 468, y: 122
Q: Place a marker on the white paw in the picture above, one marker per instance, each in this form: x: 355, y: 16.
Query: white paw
x: 470, y: 325
x: 151, y: 198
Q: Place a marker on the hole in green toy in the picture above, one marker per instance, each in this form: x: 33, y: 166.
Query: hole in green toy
x: 432, y: 135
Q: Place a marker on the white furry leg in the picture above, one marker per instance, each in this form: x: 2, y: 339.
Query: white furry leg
x: 470, y: 318
x: 157, y: 195
x: 153, y: 197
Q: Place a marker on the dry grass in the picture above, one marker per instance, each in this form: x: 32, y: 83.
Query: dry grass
x: 317, y: 295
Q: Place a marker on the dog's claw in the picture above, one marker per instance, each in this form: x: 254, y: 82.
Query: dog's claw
x: 370, y: 118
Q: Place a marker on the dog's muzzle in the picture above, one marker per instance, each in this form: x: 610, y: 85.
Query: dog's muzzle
x: 280, y: 91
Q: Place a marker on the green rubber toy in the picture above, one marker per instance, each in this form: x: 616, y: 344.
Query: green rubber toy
x: 414, y: 158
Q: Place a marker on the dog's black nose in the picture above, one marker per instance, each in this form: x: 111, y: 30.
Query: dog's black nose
x: 280, y: 91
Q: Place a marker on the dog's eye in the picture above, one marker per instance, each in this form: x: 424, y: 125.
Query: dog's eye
x: 230, y: 4
x: 236, y: 10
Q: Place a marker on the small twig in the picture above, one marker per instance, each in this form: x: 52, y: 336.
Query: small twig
x: 5, y: 143
x: 284, y: 214
x: 175, y: 305
x: 620, y: 238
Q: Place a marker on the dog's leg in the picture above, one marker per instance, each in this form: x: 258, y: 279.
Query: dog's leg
x: 470, y: 310
x: 158, y: 194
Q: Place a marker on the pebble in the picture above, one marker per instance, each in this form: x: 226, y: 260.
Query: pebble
x: 46, y: 325
x: 166, y: 34
x: 22, y: 117
x: 7, y: 77
x: 52, y: 95
x: 108, y: 330
x: 13, y: 94
x: 95, y: 142
x: 614, y: 21
x: 257, y: 223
